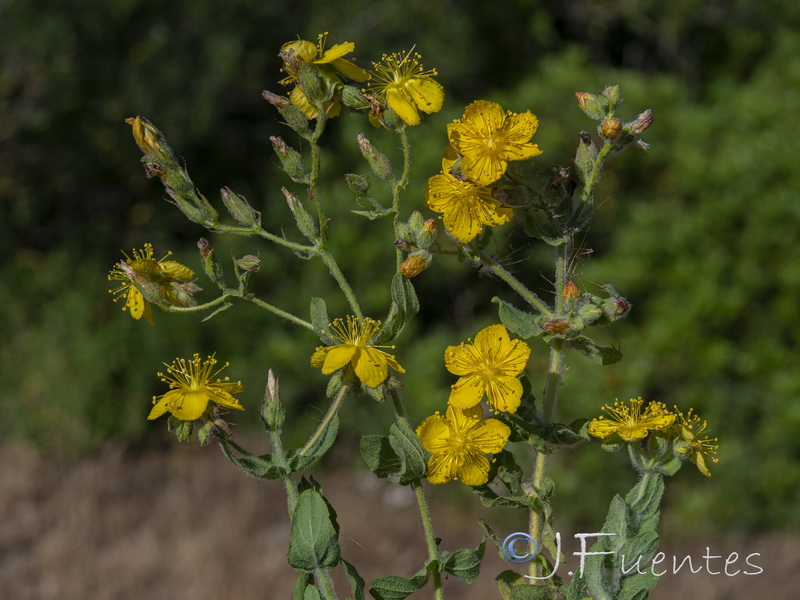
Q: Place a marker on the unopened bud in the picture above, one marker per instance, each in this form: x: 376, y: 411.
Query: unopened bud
x: 616, y: 308
x: 272, y: 412
x: 211, y: 264
x: 570, y: 291
x: 428, y: 234
x: 292, y: 114
x: 610, y: 129
x: 591, y: 105
x: 378, y: 162
x: 611, y: 95
x: 305, y: 222
x: 353, y: 98
x: 249, y: 263
x: 183, y: 430
x: 358, y: 183
x: 240, y: 209
x: 416, y: 263
x: 291, y: 161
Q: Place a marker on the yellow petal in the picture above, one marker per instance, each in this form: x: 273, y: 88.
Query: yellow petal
x: 136, y: 302
x: 176, y: 270
x: 467, y: 392
x: 337, y: 357
x: 302, y: 49
x: 403, y: 105
x: 300, y: 100
x: 442, y: 468
x: 334, y: 52
x: 223, y: 398
x: 475, y: 470
x: 483, y: 169
x: 371, y: 366
x: 188, y: 406
x: 602, y: 427
x: 490, y: 436
x: 426, y: 93
x: 462, y: 360
x: 350, y: 70
x: 504, y: 393
x: 318, y: 358
x: 159, y: 409
x: 434, y: 434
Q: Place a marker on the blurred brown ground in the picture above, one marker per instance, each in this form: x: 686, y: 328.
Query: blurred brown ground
x: 183, y: 523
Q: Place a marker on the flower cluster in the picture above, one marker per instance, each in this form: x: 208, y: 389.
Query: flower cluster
x: 631, y: 424
x: 459, y: 442
x: 145, y: 280
x: 482, y: 143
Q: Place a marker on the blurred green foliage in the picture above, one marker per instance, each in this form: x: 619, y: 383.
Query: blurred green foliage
x: 700, y: 233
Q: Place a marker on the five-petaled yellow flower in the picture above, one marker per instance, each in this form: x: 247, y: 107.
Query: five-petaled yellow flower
x: 466, y: 207
x: 690, y: 428
x: 487, y: 138
x: 459, y: 443
x: 145, y: 270
x: 192, y: 388
x: 331, y: 62
x: 629, y: 422
x: 407, y: 87
x: 370, y: 364
x: 489, y: 365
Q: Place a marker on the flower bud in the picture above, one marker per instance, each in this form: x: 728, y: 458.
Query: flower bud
x: 183, y: 429
x: 291, y: 161
x: 416, y: 263
x: 272, y: 412
x: 570, y: 291
x: 610, y: 129
x: 612, y: 96
x: 427, y: 235
x: 292, y: 114
x: 150, y: 140
x: 305, y: 222
x: 353, y: 98
x: 616, y: 308
x: 239, y: 209
x: 249, y: 263
x: 378, y: 162
x: 358, y: 183
x: 211, y: 264
x: 591, y: 105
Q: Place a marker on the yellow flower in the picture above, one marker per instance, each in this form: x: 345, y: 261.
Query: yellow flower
x: 331, y: 62
x: 155, y: 275
x: 406, y: 87
x: 459, y: 444
x: 191, y: 389
x: 690, y: 427
x: 488, y: 138
x: 489, y: 365
x: 466, y: 207
x: 370, y: 364
x: 629, y: 423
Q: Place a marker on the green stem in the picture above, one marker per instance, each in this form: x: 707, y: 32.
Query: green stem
x: 422, y: 504
x: 277, y: 311
x: 529, y: 296
x: 247, y: 231
x: 337, y: 274
x: 332, y: 410
x: 550, y: 401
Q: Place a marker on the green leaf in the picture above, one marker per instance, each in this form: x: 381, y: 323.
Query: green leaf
x: 533, y: 592
x: 259, y: 467
x: 644, y: 499
x: 599, y: 354
x: 403, y: 308
x: 466, y: 564
x: 413, y: 457
x: 637, y: 586
x: 356, y: 581
x: 639, y: 548
x: 314, y: 541
x: 379, y: 456
x: 375, y: 214
x: 305, y: 580
x: 393, y: 587
x: 320, y: 320
x: 523, y: 324
x: 311, y: 593
x: 321, y: 445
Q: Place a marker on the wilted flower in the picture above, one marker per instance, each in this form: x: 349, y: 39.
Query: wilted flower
x: 690, y: 428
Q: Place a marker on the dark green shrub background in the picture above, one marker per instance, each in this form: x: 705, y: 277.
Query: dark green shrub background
x: 700, y: 233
